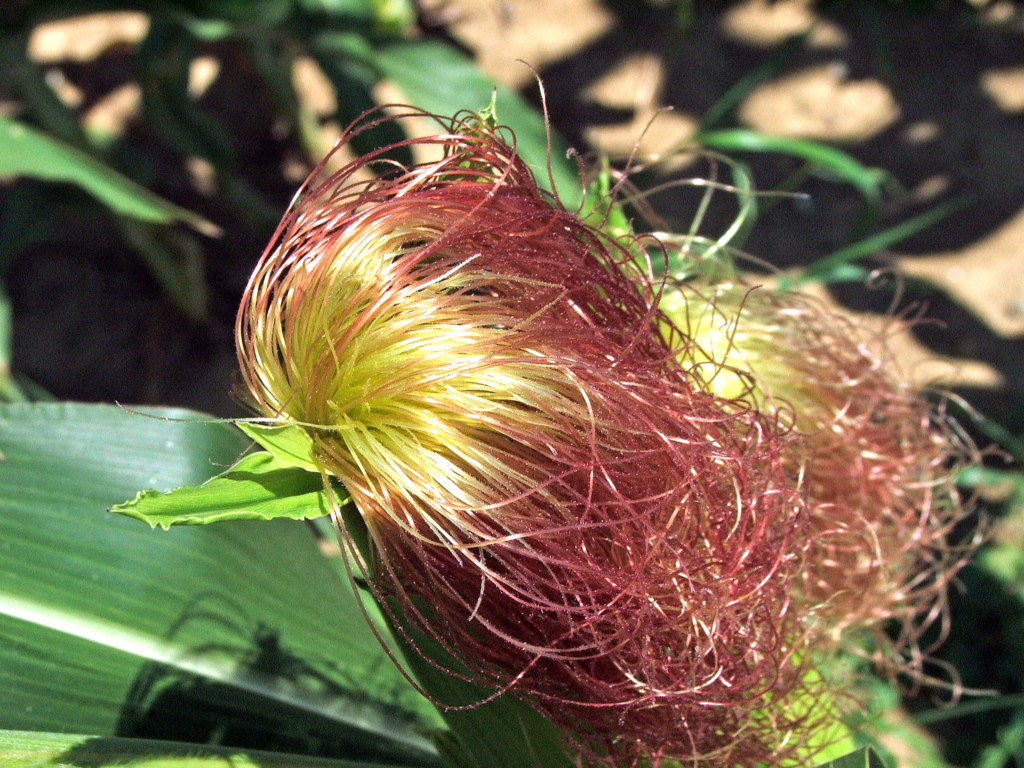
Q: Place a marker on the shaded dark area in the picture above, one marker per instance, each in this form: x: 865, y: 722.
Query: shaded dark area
x: 931, y: 60
x: 91, y: 323
x: 986, y: 644
x: 166, y: 705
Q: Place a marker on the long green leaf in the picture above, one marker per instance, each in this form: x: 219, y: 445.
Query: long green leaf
x: 31, y: 749
x: 868, y: 181
x: 9, y: 391
x: 27, y: 152
x: 832, y: 268
x: 257, y: 487
x: 106, y: 624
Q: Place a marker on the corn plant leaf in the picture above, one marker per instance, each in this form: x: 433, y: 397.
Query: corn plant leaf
x: 504, y: 733
x: 25, y: 151
x: 110, y: 628
x: 31, y: 749
x: 162, y: 70
x: 257, y: 487
x: 9, y: 391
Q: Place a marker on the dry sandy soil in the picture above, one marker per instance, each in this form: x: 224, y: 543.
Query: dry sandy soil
x: 936, y: 99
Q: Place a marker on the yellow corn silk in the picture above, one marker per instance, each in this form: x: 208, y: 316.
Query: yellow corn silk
x: 873, y: 459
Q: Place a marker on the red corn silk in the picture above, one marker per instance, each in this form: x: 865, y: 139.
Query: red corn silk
x: 549, y: 492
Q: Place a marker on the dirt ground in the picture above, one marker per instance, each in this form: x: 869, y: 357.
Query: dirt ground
x: 936, y: 99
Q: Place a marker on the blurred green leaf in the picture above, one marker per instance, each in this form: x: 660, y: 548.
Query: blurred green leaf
x: 746, y: 217
x: 173, y: 257
x: 175, y: 260
x: 103, y: 621
x: 162, y: 68
x: 1009, y: 747
x: 843, y: 166
x: 30, y: 749
x: 257, y: 487
x: 992, y: 429
x: 880, y: 722
x: 353, y: 82
x: 9, y: 391
x: 27, y: 152
x: 835, y: 266
x: 972, y: 707
x: 601, y: 210
x: 436, y: 77
x: 263, y: 13
x: 736, y: 94
x: 387, y: 17
x: 223, y: 14
x: 275, y: 63
x: 39, y: 100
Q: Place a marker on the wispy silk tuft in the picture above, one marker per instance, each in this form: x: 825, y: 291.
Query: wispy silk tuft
x: 873, y: 459
x: 643, y: 535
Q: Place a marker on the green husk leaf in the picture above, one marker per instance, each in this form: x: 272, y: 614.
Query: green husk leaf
x: 288, y: 443
x: 504, y: 732
x: 862, y: 758
x: 257, y: 487
x: 27, y: 152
